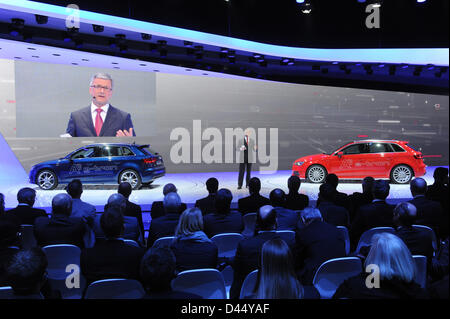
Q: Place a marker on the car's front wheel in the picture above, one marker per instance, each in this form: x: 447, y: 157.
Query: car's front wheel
x: 401, y: 174
x: 316, y: 174
x: 132, y: 177
x: 47, y: 180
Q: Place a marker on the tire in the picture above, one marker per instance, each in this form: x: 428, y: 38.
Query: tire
x: 132, y: 177
x: 46, y: 180
x: 316, y: 174
x: 401, y: 174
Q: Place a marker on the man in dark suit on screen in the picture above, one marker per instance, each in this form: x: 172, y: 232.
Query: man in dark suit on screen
x: 100, y: 118
x: 247, y: 155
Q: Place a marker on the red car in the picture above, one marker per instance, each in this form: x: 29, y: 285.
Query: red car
x: 393, y: 160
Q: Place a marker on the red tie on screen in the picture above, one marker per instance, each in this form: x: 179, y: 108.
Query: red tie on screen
x: 98, y: 122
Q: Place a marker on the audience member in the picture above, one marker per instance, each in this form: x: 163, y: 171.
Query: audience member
x: 439, y: 192
x: 331, y: 213
x: 158, y: 268
x: 358, y: 199
x: 24, y: 212
x: 60, y: 228
x: 252, y: 203
x: 287, y: 219
x: 295, y: 200
x: 112, y: 257
x: 191, y: 247
x: 158, y: 208
x: 9, y: 245
x: 207, y: 204
x: 165, y: 225
x: 317, y: 242
x: 439, y: 273
x: 131, y: 209
x: 397, y: 271
x: 223, y: 220
x: 2, y: 204
x: 340, y: 199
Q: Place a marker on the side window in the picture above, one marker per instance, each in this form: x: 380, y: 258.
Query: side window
x: 126, y: 152
x: 397, y: 148
x: 356, y: 149
x: 380, y: 148
x: 84, y: 153
x: 108, y: 151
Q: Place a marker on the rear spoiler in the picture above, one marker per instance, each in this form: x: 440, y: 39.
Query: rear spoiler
x: 144, y: 146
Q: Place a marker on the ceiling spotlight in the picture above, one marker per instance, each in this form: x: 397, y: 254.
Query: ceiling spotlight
x: 287, y: 61
x: 98, y: 28
x: 231, y: 54
x: 16, y: 27
x: 146, y: 36
x: 305, y: 6
x: 41, y: 19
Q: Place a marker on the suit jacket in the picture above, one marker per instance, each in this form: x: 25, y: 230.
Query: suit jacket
x: 418, y: 241
x: 286, y: 219
x: 252, y: 203
x: 133, y: 210
x: 190, y: 254
x: 296, y: 201
x: 317, y: 242
x: 80, y: 123
x: 223, y: 223
x: 250, y: 152
x: 207, y: 204
x: 439, y: 193
x: 429, y: 213
x: 111, y: 258
x: 60, y: 230
x: 83, y: 210
x: 357, y: 200
x: 340, y: 199
x: 334, y: 214
x: 247, y: 259
x: 6, y: 255
x: 162, y: 227
x: 131, y: 229
x: 26, y: 214
x: 158, y: 209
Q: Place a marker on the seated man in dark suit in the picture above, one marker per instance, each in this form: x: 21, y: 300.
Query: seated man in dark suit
x: 60, y: 228
x: 439, y: 193
x: 286, y: 219
x: 316, y: 243
x: 112, y: 257
x: 295, y: 200
x: 9, y: 245
x: 24, y: 212
x: 248, y: 252
x: 224, y: 220
x: 358, y: 199
x: 207, y: 204
x: 100, y: 118
x: 165, y: 226
x: 340, y: 199
x: 376, y: 214
x: 131, y: 209
x: 252, y: 203
x: 331, y: 213
x: 157, y: 209
x: 429, y: 212
x: 131, y: 226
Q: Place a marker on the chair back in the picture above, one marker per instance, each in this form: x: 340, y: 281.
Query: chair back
x: 28, y: 239
x: 227, y: 243
x: 430, y: 230
x: 116, y: 288
x: 333, y: 272
x: 366, y: 237
x: 287, y: 235
x: 344, y: 231
x: 249, y: 224
x: 249, y: 284
x: 207, y: 283
x: 131, y: 242
x: 163, y: 242
x: 421, y: 270
x: 6, y: 292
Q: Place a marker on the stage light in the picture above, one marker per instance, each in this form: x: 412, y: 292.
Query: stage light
x: 421, y: 1
x: 146, y: 36
x: 305, y: 6
x: 430, y: 67
x: 16, y: 27
x: 98, y: 28
x: 287, y: 61
x: 41, y: 19
x: 231, y: 54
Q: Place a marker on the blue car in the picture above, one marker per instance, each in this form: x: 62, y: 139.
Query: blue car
x: 107, y: 163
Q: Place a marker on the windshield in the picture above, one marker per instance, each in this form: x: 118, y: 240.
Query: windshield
x: 329, y: 153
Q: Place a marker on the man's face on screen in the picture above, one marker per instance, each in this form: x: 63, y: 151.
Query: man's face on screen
x: 100, y: 91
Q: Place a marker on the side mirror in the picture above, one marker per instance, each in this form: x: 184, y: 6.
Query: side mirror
x: 339, y: 154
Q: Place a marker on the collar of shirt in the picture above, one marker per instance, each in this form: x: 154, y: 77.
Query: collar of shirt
x: 102, y: 114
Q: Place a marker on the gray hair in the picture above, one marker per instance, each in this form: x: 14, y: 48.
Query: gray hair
x: 117, y: 200
x: 62, y: 204
x: 172, y: 203
x: 103, y: 76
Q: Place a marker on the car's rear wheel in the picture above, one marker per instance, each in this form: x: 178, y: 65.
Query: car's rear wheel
x: 132, y: 177
x: 46, y: 180
x: 401, y: 174
x: 316, y: 174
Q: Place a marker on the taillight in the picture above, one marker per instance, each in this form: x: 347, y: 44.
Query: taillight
x: 150, y: 160
x: 418, y: 156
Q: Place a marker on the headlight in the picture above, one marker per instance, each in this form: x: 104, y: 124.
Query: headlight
x: 299, y: 163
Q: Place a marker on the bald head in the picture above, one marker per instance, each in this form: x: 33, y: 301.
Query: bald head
x: 266, y: 218
x: 405, y: 214
x: 62, y: 205
x: 418, y: 186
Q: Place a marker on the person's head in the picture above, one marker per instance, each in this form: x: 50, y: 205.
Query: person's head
x: 62, y: 204
x: 248, y: 132
x: 9, y: 233
x: 266, y: 218
x: 27, y: 271
x: 223, y: 201
x: 277, y: 197
x: 172, y: 203
x: 2, y: 204
x: 191, y: 221
x: 112, y: 223
x: 254, y: 185
x: 405, y: 214
x: 125, y: 189
x: 392, y: 257
x: 380, y: 189
x: 418, y: 186
x: 100, y: 88
x: 158, y: 269
x: 26, y: 196
x: 75, y: 188
x: 278, y: 279
x: 332, y: 179
x: 440, y: 175
x: 212, y: 185
x: 117, y: 201
x: 294, y: 183
x: 367, y: 184
x: 310, y: 214
x: 169, y: 188
x: 327, y: 192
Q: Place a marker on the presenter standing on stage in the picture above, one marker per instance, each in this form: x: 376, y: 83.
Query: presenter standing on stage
x: 247, y: 155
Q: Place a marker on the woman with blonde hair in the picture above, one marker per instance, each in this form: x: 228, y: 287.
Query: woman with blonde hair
x: 389, y: 259
x: 191, y: 247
